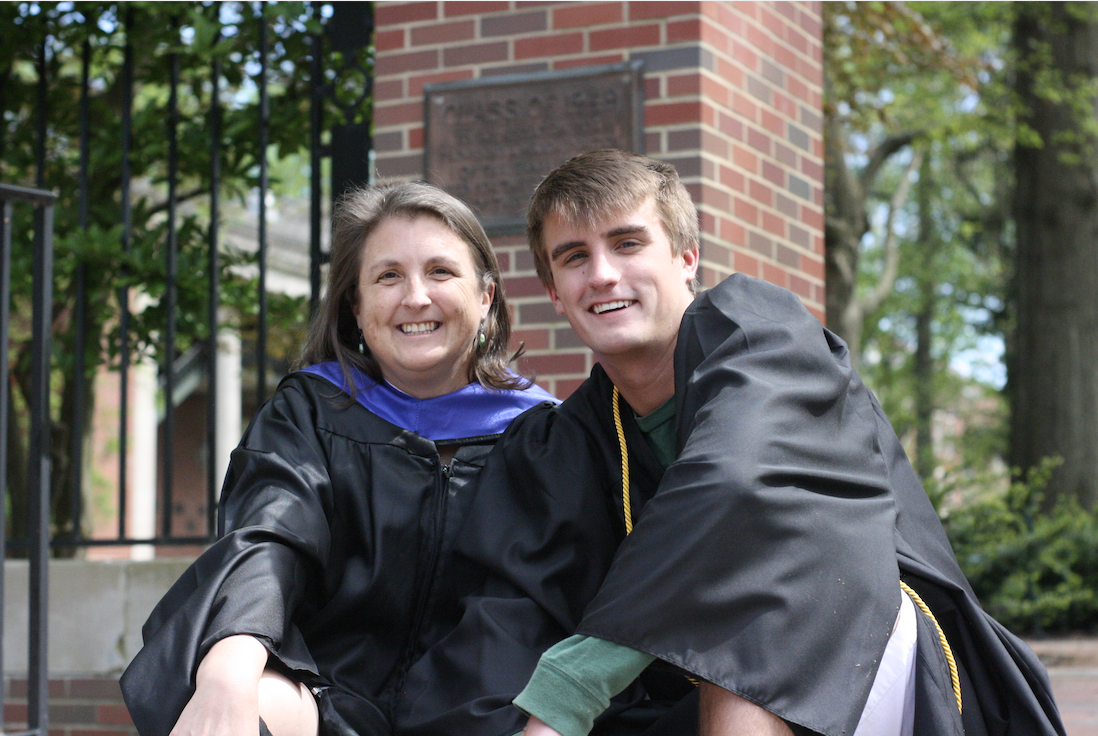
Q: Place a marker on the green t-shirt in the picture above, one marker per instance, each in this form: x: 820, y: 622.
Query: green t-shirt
x: 658, y: 428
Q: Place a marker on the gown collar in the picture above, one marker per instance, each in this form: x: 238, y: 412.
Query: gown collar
x: 471, y: 411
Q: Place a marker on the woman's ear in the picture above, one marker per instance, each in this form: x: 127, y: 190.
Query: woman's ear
x: 352, y: 297
x: 485, y: 302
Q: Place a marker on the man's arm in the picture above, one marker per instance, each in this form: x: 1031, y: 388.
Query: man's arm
x: 721, y: 713
x: 234, y: 690
x: 574, y: 682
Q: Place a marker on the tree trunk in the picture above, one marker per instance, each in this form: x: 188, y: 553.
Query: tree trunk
x: 924, y: 319
x: 845, y: 224
x: 1054, y: 371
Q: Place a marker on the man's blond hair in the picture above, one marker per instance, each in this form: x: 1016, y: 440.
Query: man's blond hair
x: 599, y: 184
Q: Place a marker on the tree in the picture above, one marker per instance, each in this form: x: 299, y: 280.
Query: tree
x: 915, y: 237
x: 948, y: 293
x: 196, y: 34
x: 1054, y: 361
x: 865, y: 45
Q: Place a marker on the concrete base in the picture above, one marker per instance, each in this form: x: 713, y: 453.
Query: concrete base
x: 96, y: 612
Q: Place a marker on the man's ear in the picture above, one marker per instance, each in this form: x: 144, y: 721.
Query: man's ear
x: 690, y: 258
x: 552, y: 291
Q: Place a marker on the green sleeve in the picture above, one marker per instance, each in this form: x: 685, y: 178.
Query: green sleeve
x: 574, y: 681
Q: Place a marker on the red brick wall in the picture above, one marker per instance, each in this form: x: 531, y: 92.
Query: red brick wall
x: 77, y: 707
x: 733, y: 97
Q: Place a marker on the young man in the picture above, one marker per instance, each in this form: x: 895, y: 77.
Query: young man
x: 782, y: 541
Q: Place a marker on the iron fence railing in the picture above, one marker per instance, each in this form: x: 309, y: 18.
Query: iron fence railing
x: 338, y: 39
x: 37, y: 139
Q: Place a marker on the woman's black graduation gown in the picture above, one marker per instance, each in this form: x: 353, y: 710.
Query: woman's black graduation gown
x: 337, y: 556
x: 769, y: 559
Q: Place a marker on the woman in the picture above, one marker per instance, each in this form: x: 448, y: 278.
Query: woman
x: 341, y: 505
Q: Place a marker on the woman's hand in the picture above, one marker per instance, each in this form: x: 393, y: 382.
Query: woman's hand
x: 535, y: 727
x: 226, y: 697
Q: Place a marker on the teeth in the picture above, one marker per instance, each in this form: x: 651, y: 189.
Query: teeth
x: 418, y: 328
x: 608, y: 306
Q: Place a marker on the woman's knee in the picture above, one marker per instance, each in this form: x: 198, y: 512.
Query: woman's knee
x: 287, y: 707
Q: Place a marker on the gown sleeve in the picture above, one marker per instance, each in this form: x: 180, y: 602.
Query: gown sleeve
x: 765, y: 562
x: 575, y: 680
x: 275, y: 505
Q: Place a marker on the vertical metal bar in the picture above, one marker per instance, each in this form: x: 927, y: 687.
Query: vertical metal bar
x: 5, y: 314
x: 170, y: 295
x: 316, y: 120
x: 124, y: 291
x: 213, y: 303
x: 80, y: 310
x: 264, y: 125
x: 43, y: 104
x: 38, y: 481
x: 38, y: 469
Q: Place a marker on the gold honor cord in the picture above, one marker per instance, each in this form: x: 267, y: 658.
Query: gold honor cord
x: 954, y: 678
x: 625, y: 482
x: 624, y: 464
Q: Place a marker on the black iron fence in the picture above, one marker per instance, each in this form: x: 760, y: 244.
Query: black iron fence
x: 129, y: 125
x: 148, y: 120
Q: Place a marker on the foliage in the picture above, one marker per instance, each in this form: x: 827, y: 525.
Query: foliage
x: 1058, y: 81
x: 1035, y: 572
x: 872, y: 48
x: 915, y: 102
x: 939, y: 80
x: 949, y: 295
x: 895, y: 82
x: 194, y: 35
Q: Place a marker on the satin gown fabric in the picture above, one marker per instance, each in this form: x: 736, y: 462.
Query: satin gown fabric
x: 337, y: 554
x: 768, y: 561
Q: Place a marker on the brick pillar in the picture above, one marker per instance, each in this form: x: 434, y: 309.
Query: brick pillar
x: 733, y: 98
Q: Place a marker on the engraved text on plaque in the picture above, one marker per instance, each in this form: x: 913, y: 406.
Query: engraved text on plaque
x: 490, y: 141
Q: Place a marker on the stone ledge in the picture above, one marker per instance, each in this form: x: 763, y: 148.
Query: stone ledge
x: 96, y: 611
x: 1075, y: 652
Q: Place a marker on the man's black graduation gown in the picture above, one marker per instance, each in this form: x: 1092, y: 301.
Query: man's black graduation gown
x: 769, y: 559
x: 338, y: 556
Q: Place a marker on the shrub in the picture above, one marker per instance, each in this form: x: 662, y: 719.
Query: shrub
x: 1035, y: 572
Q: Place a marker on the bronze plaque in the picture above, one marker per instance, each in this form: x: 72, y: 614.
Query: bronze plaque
x: 489, y: 142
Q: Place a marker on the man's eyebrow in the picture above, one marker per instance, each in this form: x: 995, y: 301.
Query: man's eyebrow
x: 614, y: 233
x: 564, y: 248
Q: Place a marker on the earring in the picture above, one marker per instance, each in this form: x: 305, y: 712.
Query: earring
x: 481, y: 337
x: 361, y: 343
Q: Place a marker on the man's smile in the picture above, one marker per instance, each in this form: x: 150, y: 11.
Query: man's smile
x: 612, y: 306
